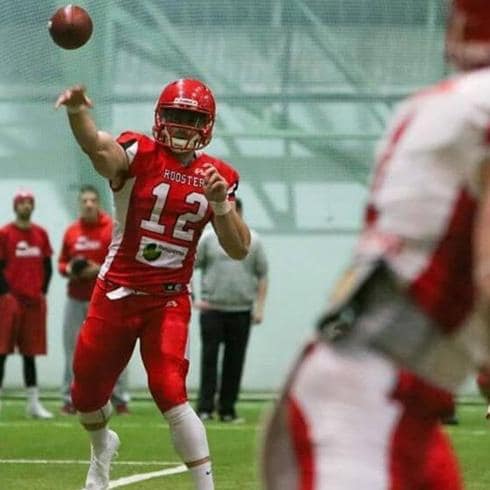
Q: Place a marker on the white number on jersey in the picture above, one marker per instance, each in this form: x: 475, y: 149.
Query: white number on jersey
x: 153, y: 224
x: 158, y: 253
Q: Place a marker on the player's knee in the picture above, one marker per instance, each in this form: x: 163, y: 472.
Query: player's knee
x: 167, y: 385
x: 168, y: 395
x: 96, y: 419
x: 89, y: 397
x: 90, y: 390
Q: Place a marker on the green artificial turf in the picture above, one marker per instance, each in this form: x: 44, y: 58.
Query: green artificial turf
x: 146, y: 448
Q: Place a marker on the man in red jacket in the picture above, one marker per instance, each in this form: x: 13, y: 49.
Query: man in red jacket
x: 84, y: 248
x: 25, y: 273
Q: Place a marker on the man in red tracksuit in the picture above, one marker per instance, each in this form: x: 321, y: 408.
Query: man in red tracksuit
x: 25, y: 273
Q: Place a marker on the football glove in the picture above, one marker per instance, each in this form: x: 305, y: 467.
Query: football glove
x: 77, y: 265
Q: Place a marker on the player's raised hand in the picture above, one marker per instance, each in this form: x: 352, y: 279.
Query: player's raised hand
x: 74, y: 98
x: 215, y: 186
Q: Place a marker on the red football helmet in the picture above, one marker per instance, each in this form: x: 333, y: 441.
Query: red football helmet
x: 184, y: 115
x: 468, y: 34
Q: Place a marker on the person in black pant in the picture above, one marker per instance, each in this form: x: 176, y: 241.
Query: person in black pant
x: 25, y: 275
x: 232, y: 299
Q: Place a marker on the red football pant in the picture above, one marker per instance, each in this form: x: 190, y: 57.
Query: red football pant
x: 422, y: 457
x: 107, y: 339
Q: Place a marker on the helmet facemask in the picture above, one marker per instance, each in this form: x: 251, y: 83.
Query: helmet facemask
x: 182, y: 129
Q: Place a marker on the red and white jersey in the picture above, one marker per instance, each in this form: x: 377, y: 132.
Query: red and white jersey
x: 160, y: 213
x: 425, y: 193
x: 23, y: 251
x: 89, y: 241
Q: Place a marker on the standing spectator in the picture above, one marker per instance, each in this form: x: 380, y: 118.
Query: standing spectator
x: 232, y: 298
x: 85, y: 245
x: 25, y: 273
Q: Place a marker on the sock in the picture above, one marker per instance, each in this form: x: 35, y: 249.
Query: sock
x: 190, y: 442
x: 98, y: 438
x: 202, y: 476
x: 32, y: 395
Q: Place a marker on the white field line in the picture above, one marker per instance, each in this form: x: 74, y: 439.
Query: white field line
x: 128, y: 480
x: 85, y: 462
x: 472, y: 432
x: 129, y: 425
x: 120, y: 482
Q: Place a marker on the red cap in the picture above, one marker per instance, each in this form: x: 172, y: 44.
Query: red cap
x: 22, y: 194
x: 468, y: 34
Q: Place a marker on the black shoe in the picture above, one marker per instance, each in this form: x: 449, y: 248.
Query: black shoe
x: 205, y: 416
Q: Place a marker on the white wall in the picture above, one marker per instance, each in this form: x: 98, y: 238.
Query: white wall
x: 302, y: 269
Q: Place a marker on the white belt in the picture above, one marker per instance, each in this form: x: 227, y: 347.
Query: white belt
x: 123, y: 292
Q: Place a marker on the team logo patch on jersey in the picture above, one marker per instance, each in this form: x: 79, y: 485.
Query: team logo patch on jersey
x: 158, y: 253
x: 151, y: 252
x: 85, y: 243
x: 23, y: 249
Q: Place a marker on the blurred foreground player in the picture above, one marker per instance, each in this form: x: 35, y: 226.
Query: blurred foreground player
x: 84, y: 248
x: 25, y: 273
x: 165, y: 192
x: 363, y: 411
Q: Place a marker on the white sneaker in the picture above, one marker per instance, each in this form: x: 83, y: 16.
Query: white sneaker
x: 487, y: 416
x: 37, y: 411
x: 100, y: 464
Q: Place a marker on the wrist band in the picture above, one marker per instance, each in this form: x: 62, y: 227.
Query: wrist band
x: 74, y: 110
x: 220, y: 208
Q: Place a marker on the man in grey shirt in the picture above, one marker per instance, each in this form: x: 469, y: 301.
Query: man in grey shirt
x: 232, y: 298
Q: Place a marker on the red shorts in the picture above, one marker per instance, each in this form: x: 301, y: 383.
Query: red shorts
x: 107, y: 339
x: 22, y: 325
